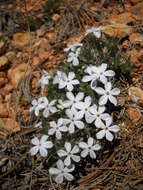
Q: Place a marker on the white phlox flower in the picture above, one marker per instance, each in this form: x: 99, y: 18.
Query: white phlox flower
x: 99, y: 73
x: 95, y: 30
x: 92, y: 74
x: 84, y: 108
x: 69, y: 153
x: 44, y: 80
x: 62, y: 172
x: 72, y: 102
x: 67, y: 81
x: 107, y: 94
x: 73, y: 47
x: 41, y: 145
x: 98, y: 115
x: 47, y: 106
x: 73, y: 120
x: 103, y: 73
x: 57, y: 128
x: 73, y: 57
x: 107, y: 130
x: 89, y: 148
x: 37, y: 106
x: 58, y: 77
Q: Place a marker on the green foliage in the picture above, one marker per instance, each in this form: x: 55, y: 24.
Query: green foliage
x: 97, y: 51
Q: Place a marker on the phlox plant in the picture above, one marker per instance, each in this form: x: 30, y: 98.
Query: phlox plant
x: 75, y: 114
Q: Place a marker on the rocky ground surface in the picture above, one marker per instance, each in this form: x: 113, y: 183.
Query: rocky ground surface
x: 32, y: 38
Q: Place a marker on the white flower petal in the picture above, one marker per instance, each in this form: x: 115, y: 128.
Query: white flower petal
x: 103, y: 67
x: 69, y: 87
x: 53, y: 109
x: 83, y: 145
x: 75, y: 61
x: 62, y: 153
x: 79, y: 115
x: 109, y: 136
x: 89, y: 118
x: 109, y: 73
x: 67, y: 161
x: 75, y: 149
x: 53, y: 124
x: 98, y: 123
x: 75, y: 82
x: 115, y: 91
x: 71, y: 75
x: 114, y: 128
x: 68, y: 176
x: 90, y: 141
x: 35, y: 141
x: 79, y: 124
x: 51, y: 131
x: 63, y: 129
x: 96, y: 147
x: 68, y: 146
x: 103, y: 79
x: 101, y: 109
x: 84, y: 153
x: 59, y: 179
x: 79, y: 105
x: 34, y: 150
x: 87, y: 78
x: 103, y: 100
x: 105, y: 116
x: 60, y: 164
x: 48, y: 144
x: 79, y: 96
x: 54, y: 171
x: 100, y: 91
x: 69, y: 113
x: 70, y: 96
x: 100, y: 134
x: 58, y: 135
x: 108, y: 121
x: 43, y: 151
x: 113, y: 100
x: 92, y: 154
x: 71, y: 128
x: 43, y: 138
x: 76, y: 158
x: 46, y: 112
x: 108, y: 86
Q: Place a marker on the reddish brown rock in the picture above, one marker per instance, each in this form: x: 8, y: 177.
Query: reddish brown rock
x: 117, y: 30
x: 123, y: 18
x: 15, y: 74
x: 137, y: 11
x: 136, y: 39
x: 9, y: 124
x: 3, y: 110
x: 134, y: 115
x: 136, y: 95
x: 3, y: 62
x: 22, y: 38
x: 137, y: 59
